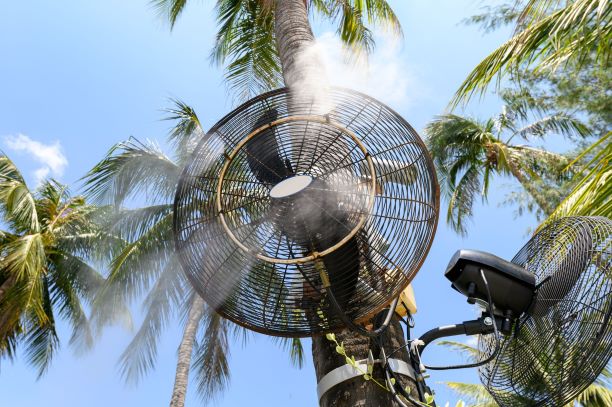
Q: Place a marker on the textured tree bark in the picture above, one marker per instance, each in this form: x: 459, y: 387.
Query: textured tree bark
x: 358, y: 391
x: 293, y: 36
x: 185, y: 352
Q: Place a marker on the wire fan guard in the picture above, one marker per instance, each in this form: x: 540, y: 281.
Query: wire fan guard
x: 277, y: 201
x: 565, y: 342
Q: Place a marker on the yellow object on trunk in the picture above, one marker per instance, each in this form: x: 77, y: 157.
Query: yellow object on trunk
x: 406, y: 301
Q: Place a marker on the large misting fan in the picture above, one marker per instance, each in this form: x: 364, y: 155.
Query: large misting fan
x: 553, y: 307
x: 293, y: 213
x: 563, y: 341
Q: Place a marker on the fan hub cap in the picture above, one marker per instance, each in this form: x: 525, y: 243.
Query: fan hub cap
x: 290, y: 186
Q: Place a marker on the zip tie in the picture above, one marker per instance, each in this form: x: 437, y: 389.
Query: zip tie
x: 414, y: 345
x: 414, y: 349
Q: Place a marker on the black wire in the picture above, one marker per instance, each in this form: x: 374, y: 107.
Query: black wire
x: 347, y: 321
x: 495, y: 332
x: 354, y: 327
x: 390, y: 374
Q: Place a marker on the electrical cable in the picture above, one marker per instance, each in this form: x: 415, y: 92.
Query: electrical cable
x: 495, y: 332
x: 351, y: 325
x: 346, y: 320
x: 393, y: 388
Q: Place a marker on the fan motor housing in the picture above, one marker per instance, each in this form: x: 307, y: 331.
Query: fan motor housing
x: 512, y: 287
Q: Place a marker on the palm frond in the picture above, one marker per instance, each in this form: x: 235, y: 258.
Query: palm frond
x: 558, y: 123
x: 160, y: 304
x: 451, y: 136
x: 352, y: 29
x: 493, y: 17
x: 462, y: 199
x: 595, y: 395
x: 187, y: 130
x: 133, y: 270
x: 131, y: 224
x: 567, y: 34
x: 65, y: 298
x: 592, y: 194
x: 141, y: 261
x: 471, y: 352
x: 246, y: 39
x: 16, y: 201
x: 477, y: 394
x: 130, y: 168
x: 169, y: 9
x: 353, y: 18
x: 25, y: 259
x: 41, y: 340
x: 211, y: 365
x: 296, y: 351
x: 88, y: 236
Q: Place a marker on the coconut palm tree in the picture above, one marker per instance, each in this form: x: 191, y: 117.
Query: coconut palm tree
x: 597, y: 394
x: 146, y: 265
x: 468, y: 153
x: 261, y: 41
x: 45, y: 265
x: 136, y: 171
x: 553, y: 34
x: 251, y: 41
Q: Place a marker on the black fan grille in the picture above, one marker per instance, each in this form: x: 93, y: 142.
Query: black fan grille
x: 261, y: 276
x: 563, y: 345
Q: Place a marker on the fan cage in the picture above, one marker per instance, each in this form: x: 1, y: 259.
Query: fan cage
x: 371, y: 163
x: 564, y: 342
x: 363, y: 211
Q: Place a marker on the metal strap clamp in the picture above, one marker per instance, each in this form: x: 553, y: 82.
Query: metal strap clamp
x: 347, y: 372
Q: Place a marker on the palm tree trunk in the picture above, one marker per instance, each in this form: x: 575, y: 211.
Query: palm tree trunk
x: 531, y: 190
x: 185, y: 351
x: 357, y: 391
x: 293, y: 36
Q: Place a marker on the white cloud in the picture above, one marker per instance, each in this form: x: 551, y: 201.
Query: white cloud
x: 53, y: 161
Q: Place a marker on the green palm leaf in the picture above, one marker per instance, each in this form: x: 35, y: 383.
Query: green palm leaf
x: 160, y: 305
x: 211, y: 366
x: 16, y: 200
x: 295, y: 349
x: 547, y: 41
x: 187, y: 130
x: 43, y: 267
x: 246, y: 38
x: 593, y: 191
x: 131, y: 168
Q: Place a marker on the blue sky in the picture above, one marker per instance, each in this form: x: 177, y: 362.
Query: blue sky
x: 78, y: 76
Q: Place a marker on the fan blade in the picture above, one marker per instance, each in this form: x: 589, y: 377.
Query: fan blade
x: 315, y: 220
x: 263, y: 155
x: 342, y: 266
